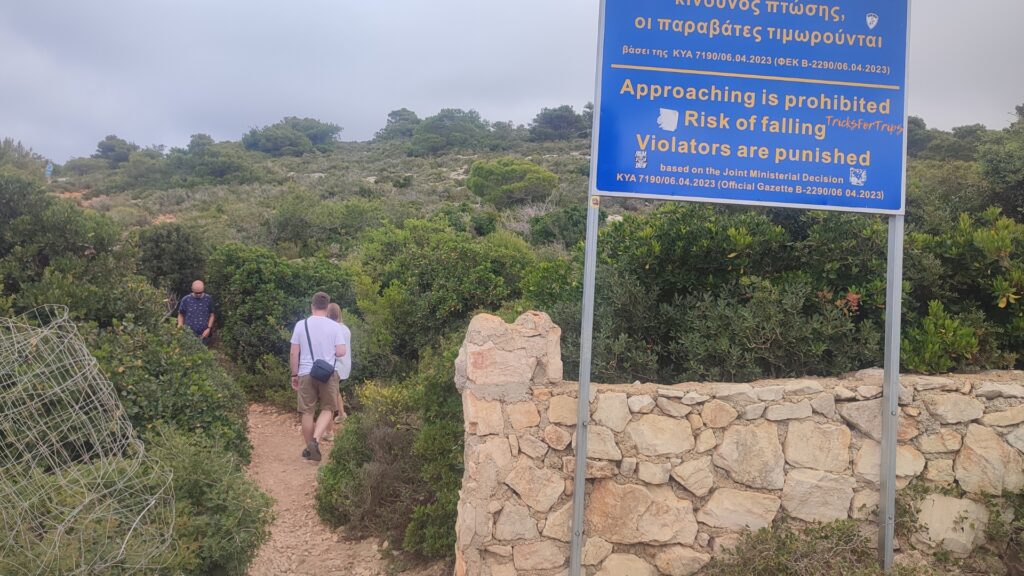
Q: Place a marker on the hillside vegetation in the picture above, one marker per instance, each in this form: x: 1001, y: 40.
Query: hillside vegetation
x: 438, y: 218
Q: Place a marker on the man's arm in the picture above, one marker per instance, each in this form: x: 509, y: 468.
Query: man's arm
x: 181, y: 319
x: 340, y: 350
x: 293, y: 363
x: 209, y: 325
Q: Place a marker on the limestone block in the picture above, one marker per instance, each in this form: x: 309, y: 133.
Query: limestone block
x: 867, y: 464
x: 803, y: 388
x: 1010, y: 417
x: 796, y: 411
x: 752, y: 455
x: 559, y: 524
x: 642, y: 404
x: 556, y: 437
x: 626, y: 565
x: 654, y: 472
x: 718, y: 414
x: 770, y: 393
x: 594, y: 469
x: 696, y: 422
x: 843, y: 394
x: 926, y: 383
x: 945, y: 440
x: 523, y: 415
x: 737, y: 394
x: 754, y: 411
x: 482, y: 417
x: 986, y: 464
x: 864, y: 505
x: 659, y: 435
x: 865, y: 416
x: 956, y: 525
x: 953, y: 408
x: 627, y: 466
x: 540, y: 555
x: 817, y: 496
x: 940, y: 471
x: 595, y: 550
x: 737, y: 510
x: 532, y: 446
x: 538, y: 487
x: 824, y: 404
x: 632, y: 514
x: 612, y: 411
x: 697, y: 476
x: 515, y: 523
x: 496, y: 450
x: 674, y: 409
x: 818, y: 446
x: 1016, y: 438
x: 990, y: 390
x: 562, y: 410
x: 600, y: 444
x: 869, y: 392
x: 680, y: 561
x: 705, y: 441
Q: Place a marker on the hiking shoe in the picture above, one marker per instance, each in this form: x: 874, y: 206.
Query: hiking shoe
x: 340, y: 418
x: 328, y: 437
x: 314, y: 451
x: 305, y: 453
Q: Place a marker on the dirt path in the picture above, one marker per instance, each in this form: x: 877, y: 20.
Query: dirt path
x: 299, y: 543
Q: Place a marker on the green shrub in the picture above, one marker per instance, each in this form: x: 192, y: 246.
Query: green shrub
x: 939, y: 343
x: 163, y: 375
x: 507, y: 182
x: 171, y: 256
x: 222, y: 517
x: 566, y: 226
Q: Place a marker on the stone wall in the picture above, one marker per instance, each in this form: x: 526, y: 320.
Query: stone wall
x: 676, y: 472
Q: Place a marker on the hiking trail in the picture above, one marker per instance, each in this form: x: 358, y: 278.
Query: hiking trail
x: 300, y: 544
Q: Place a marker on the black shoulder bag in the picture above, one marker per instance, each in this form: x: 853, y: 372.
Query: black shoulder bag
x: 322, y: 369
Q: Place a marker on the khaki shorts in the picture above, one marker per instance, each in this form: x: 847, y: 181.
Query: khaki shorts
x: 311, y: 390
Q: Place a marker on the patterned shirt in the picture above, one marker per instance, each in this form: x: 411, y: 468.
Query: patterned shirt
x: 196, y: 312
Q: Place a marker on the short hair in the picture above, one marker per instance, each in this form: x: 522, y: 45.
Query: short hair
x: 334, y: 312
x: 320, y: 301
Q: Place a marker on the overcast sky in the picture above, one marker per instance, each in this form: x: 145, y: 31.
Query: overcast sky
x: 157, y: 71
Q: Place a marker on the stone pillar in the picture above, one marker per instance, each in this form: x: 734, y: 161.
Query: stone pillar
x: 497, y: 369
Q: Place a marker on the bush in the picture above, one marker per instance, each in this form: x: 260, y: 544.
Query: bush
x: 939, y: 343
x: 507, y: 182
x: 171, y: 256
x: 163, y: 375
x: 222, y: 517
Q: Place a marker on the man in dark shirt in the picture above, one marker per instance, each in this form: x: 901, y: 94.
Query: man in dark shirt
x: 197, y: 312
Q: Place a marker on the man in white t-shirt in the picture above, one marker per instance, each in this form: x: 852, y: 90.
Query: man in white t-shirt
x: 329, y: 343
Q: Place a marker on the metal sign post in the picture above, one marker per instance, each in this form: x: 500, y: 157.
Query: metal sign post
x: 759, y: 104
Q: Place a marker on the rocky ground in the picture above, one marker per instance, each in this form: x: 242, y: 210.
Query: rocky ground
x: 300, y: 544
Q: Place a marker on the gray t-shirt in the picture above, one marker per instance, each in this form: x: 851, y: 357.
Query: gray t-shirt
x: 325, y: 335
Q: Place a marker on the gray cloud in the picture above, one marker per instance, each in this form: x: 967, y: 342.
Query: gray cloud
x: 156, y: 72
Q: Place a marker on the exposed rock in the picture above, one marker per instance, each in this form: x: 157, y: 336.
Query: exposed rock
x: 482, y: 417
x: 657, y: 435
x: 627, y: 466
x: 496, y: 450
x: 705, y: 441
x: 986, y: 464
x: 654, y: 472
x: 595, y: 550
x: 803, y: 388
x: 559, y: 524
x: 945, y: 440
x: 865, y: 416
x: 754, y: 411
x: 612, y: 411
x: 626, y: 565
x: 523, y: 415
x: 540, y: 555
x: 500, y: 361
x: 770, y: 393
x: 507, y: 569
x: 718, y: 414
x: 752, y: 455
x: 723, y: 543
x: 696, y: 422
x: 503, y: 551
x: 824, y: 404
x: 680, y: 561
x: 538, y: 487
x: 843, y: 394
x: 631, y: 514
x: 642, y: 404
x: 864, y: 505
x: 600, y: 444
x: 691, y: 398
x: 515, y: 523
x: 817, y: 496
x: 990, y: 390
x: 940, y: 471
x: 739, y: 394
x: 736, y: 510
x: 906, y: 394
x: 532, y: 447
x: 926, y: 383
x: 872, y: 375
x: 819, y: 446
x: 674, y: 409
x: 1010, y: 417
x: 697, y: 476
x: 907, y: 430
x: 557, y: 438
x: 562, y: 410
x: 953, y: 408
x: 867, y: 464
x: 950, y: 523
x: 911, y: 411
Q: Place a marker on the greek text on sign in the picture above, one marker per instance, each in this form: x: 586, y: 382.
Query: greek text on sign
x: 769, y: 102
